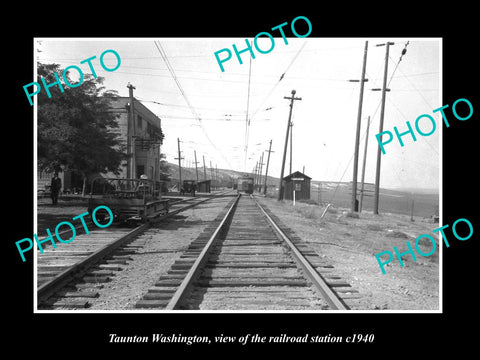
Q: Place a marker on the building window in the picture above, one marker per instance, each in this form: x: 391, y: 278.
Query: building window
x: 140, y: 170
x: 139, y: 121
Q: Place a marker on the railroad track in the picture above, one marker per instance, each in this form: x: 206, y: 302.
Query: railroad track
x: 90, y: 260
x: 246, y: 261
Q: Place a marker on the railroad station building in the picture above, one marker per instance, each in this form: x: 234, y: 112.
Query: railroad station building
x: 298, y: 182
x: 141, y: 138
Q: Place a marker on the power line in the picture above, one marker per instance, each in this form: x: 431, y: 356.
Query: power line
x: 192, y: 109
x: 278, y: 82
x: 293, y: 60
x: 197, y: 107
x: 380, y: 102
x: 404, y: 118
x: 247, y: 125
x: 384, y: 89
x: 172, y: 72
x: 357, y: 137
x: 292, y: 99
x: 390, y: 80
x: 417, y: 90
x: 189, y: 77
x: 232, y: 74
x: 204, y: 118
x: 404, y: 51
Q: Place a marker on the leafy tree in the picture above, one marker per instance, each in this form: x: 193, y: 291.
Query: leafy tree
x: 76, y: 130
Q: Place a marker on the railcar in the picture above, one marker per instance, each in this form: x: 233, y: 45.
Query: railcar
x: 188, y: 187
x: 130, y: 200
x: 245, y: 185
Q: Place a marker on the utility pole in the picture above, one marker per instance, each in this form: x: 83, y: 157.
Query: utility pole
x: 266, y: 170
x: 211, y: 173
x: 179, y: 166
x: 131, y: 136
x: 357, y: 136
x: 255, y: 176
x: 280, y: 187
x: 291, y: 146
x: 216, y: 175
x: 196, y: 162
x: 260, y: 177
x: 382, y: 114
x: 364, y: 165
x: 204, y: 170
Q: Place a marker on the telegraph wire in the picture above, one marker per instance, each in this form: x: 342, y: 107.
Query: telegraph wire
x: 279, y: 80
x: 404, y: 118
x: 192, y: 109
x: 417, y: 90
x: 247, y: 129
x: 198, y: 107
x: 378, y: 106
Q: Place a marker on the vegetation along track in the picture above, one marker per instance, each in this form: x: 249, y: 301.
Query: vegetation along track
x: 68, y: 275
x: 246, y: 261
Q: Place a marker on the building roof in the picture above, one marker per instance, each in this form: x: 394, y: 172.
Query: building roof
x: 296, y: 174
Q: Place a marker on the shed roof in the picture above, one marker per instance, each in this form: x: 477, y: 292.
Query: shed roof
x: 296, y: 174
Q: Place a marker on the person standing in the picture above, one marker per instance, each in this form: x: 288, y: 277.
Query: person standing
x: 55, y: 187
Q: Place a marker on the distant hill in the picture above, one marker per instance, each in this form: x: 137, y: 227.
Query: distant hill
x: 425, y: 201
x: 225, y: 177
x: 416, y: 190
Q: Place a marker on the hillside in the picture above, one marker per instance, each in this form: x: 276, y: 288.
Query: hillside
x: 399, y: 201
x: 225, y: 177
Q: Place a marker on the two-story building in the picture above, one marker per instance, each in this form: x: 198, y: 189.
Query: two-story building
x: 141, y: 136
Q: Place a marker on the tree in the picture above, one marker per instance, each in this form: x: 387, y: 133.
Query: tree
x: 75, y: 128
x: 164, y: 172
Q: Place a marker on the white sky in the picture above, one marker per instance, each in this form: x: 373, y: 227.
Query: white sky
x: 324, y: 120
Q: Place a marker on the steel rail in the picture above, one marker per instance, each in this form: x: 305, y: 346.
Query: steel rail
x: 174, y: 212
x: 196, y: 268
x: 48, y: 288
x: 330, y: 297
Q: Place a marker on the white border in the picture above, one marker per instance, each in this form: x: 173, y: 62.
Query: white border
x: 180, y: 312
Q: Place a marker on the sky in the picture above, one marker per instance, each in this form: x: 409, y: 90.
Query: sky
x: 180, y: 81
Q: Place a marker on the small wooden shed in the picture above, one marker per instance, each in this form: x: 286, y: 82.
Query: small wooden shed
x: 298, y: 182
